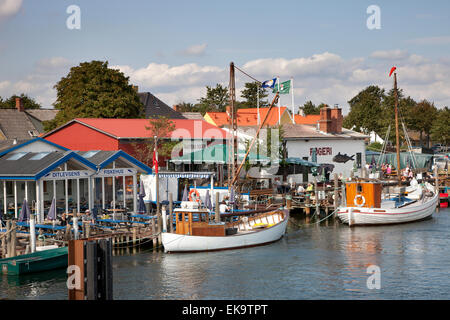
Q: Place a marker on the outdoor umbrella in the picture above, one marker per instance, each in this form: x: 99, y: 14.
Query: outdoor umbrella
x: 141, y: 204
x: 232, y: 198
x: 208, y: 203
x: 52, y: 211
x: 25, y: 212
x: 185, y: 194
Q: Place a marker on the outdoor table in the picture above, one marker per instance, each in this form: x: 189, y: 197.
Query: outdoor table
x: 114, y: 212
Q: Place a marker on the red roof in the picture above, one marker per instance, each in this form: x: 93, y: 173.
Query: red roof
x: 308, y: 119
x: 248, y: 117
x: 136, y: 128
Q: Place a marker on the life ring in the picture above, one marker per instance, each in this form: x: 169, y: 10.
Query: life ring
x: 355, y: 201
x: 197, y: 195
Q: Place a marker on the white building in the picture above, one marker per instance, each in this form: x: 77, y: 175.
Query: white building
x: 333, y: 144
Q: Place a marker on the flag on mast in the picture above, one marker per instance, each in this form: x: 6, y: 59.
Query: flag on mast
x: 283, y: 87
x: 292, y: 92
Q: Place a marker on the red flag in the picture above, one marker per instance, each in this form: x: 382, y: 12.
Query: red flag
x: 155, y: 160
x: 392, y: 70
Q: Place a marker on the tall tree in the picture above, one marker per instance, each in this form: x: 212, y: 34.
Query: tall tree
x: 365, y: 110
x: 28, y: 103
x: 250, y: 94
x: 216, y: 99
x: 94, y: 90
x: 160, y: 127
x: 310, y: 108
x: 421, y: 118
x: 440, y: 130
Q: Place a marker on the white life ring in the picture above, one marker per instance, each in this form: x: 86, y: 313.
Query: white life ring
x: 363, y: 200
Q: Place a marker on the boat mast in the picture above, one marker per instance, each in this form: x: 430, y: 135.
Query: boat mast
x: 233, y: 126
x: 396, y: 127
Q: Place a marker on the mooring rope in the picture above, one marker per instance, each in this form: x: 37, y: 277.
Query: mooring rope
x: 312, y: 223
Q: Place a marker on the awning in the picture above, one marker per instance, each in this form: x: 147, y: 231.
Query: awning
x: 301, y: 162
x: 217, y: 153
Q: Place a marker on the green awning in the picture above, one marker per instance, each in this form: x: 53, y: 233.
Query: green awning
x: 301, y: 162
x: 217, y: 153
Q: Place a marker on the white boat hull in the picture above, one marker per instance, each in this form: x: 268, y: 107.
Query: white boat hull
x: 374, y: 216
x: 185, y: 243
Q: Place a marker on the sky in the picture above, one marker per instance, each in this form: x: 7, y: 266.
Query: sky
x: 175, y: 49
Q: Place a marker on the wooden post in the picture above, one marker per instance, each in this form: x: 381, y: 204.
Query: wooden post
x: 289, y: 201
x: 8, y: 238
x: 4, y: 247
x: 217, y: 208
x: 316, y: 192
x: 336, y: 193
x: 170, y: 212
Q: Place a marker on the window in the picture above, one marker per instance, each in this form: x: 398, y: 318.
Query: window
x: 90, y: 154
x: 39, y: 155
x: 17, y: 155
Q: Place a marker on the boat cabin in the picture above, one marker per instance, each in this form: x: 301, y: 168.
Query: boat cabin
x: 365, y: 194
x: 194, y: 221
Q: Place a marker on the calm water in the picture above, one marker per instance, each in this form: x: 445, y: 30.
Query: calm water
x: 326, y: 261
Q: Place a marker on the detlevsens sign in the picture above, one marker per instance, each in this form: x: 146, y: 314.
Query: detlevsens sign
x: 73, y: 174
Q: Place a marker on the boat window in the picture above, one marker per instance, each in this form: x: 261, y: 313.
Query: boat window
x: 359, y: 188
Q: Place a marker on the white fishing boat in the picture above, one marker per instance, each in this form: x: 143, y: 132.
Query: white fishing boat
x: 195, y: 232
x: 364, y: 205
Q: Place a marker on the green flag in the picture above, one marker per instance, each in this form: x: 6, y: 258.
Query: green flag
x: 284, y: 87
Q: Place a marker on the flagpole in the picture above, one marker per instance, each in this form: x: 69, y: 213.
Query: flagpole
x: 292, y: 88
x: 257, y: 101
x: 279, y: 103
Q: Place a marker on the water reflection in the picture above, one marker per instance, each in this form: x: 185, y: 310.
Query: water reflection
x: 313, y: 261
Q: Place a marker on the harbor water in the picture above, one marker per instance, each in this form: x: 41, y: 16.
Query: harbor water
x: 313, y: 261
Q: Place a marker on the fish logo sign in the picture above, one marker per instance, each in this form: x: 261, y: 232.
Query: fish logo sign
x: 342, y: 158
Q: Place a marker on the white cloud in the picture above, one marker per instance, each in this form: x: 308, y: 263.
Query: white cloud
x: 323, y: 77
x: 195, y: 50
x: 9, y: 7
x: 390, y: 54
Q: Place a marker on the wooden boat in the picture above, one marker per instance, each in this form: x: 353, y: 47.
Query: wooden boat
x: 35, y: 262
x: 195, y: 233
x: 364, y: 205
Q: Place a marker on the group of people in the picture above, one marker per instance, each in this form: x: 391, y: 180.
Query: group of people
x: 66, y: 218
x: 387, y: 168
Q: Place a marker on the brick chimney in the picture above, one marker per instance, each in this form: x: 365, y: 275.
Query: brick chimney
x: 325, y: 122
x: 175, y: 107
x: 337, y: 118
x: 19, y: 104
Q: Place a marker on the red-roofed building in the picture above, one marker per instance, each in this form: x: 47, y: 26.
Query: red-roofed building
x: 84, y: 134
x: 308, y: 119
x: 249, y: 117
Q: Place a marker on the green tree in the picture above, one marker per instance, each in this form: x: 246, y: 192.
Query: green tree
x: 160, y: 127
x: 93, y: 90
x: 28, y: 103
x: 387, y: 116
x: 440, y: 130
x: 421, y: 118
x: 310, y: 108
x: 250, y: 94
x: 187, y: 107
x: 216, y: 99
x: 365, y: 110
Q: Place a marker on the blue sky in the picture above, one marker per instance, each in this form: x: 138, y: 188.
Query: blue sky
x: 175, y: 48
